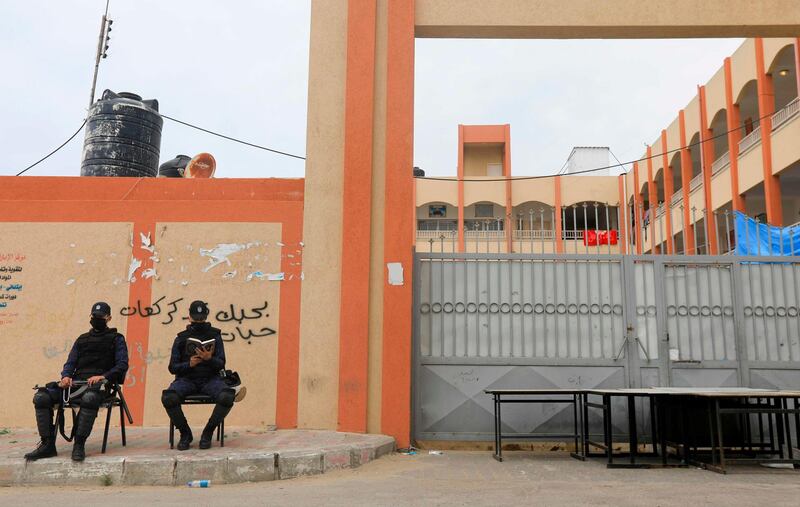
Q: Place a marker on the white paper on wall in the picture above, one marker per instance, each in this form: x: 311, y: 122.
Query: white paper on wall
x: 135, y: 264
x: 220, y: 254
x: 395, y: 273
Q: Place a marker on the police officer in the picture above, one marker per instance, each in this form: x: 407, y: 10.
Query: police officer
x: 197, y: 370
x: 101, y: 354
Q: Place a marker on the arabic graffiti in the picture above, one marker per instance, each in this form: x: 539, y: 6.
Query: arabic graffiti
x: 149, y: 311
x: 53, y: 351
x: 234, y: 315
x: 264, y: 331
x: 241, y: 316
x: 224, y: 316
x: 5, y: 318
x: 11, y: 291
x: 157, y: 356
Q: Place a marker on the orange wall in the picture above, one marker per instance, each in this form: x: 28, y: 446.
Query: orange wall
x: 147, y: 204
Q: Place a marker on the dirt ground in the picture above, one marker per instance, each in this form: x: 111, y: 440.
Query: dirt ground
x: 459, y: 478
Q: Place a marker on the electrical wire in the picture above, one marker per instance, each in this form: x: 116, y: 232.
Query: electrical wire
x: 54, y: 151
x: 432, y: 178
x: 619, y: 164
x: 229, y: 138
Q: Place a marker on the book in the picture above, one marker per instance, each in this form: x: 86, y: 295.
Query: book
x: 192, y: 344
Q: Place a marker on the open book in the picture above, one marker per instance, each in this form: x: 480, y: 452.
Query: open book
x: 192, y: 344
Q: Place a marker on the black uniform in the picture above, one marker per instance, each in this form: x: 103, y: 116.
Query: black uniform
x: 202, y: 378
x: 101, y: 351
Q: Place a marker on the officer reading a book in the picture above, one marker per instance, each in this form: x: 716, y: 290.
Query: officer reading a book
x: 198, y: 357
x: 97, y: 357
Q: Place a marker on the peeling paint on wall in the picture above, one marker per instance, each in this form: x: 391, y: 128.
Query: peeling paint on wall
x: 146, y: 244
x: 256, y: 274
x: 135, y: 264
x: 220, y: 254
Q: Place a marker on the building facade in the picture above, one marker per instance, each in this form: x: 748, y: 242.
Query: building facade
x: 733, y: 147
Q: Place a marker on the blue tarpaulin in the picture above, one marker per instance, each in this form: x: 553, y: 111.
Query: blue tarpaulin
x: 756, y: 238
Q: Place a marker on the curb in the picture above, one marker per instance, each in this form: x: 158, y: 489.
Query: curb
x: 236, y: 467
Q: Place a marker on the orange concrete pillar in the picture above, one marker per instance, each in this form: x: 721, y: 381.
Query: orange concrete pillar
x: 356, y: 219
x: 138, y: 329
x: 669, y: 189
x: 766, y: 107
x: 686, y: 178
x: 623, y: 214
x: 653, y: 198
x: 396, y: 351
x: 557, y: 212
x: 637, y: 208
x: 509, y: 202
x: 460, y: 171
x: 707, y: 157
x: 734, y: 136
x: 414, y: 215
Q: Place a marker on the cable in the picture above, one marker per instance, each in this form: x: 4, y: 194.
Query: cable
x: 232, y: 138
x: 54, y: 151
x: 619, y: 164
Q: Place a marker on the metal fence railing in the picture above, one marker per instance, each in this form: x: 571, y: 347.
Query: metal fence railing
x: 750, y: 140
x: 721, y: 163
x: 786, y: 113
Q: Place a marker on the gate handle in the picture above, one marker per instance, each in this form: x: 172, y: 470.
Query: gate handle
x: 641, y: 346
x: 621, y: 349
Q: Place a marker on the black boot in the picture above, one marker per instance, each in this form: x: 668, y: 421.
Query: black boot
x: 221, y: 409
x: 83, y: 428
x: 78, y: 449
x: 186, y: 439
x: 47, y: 432
x: 172, y: 404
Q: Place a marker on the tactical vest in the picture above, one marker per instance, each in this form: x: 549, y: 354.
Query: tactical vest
x: 96, y: 353
x: 204, y: 331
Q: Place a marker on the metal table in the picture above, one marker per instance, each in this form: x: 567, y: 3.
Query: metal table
x: 533, y: 396
x: 698, y: 435
x: 752, y: 411
x: 657, y: 417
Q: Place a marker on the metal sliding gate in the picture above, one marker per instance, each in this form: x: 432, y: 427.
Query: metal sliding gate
x: 592, y: 321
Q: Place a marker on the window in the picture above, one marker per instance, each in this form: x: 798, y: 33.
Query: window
x: 484, y: 211
x: 437, y: 211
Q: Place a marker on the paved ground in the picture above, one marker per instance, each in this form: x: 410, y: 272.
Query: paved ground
x: 155, y: 442
x: 249, y: 455
x: 459, y: 478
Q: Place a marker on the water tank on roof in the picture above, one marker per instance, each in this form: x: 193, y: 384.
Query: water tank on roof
x: 419, y: 173
x: 123, y: 137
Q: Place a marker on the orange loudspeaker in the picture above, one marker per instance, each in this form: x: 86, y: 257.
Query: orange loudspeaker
x: 201, y: 166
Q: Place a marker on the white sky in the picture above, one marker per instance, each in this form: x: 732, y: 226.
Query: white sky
x: 241, y: 68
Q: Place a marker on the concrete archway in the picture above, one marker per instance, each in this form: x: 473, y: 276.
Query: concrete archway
x: 355, y: 329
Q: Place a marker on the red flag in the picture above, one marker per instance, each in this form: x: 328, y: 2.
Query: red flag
x: 597, y: 238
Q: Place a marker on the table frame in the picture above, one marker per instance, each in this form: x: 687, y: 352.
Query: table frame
x: 515, y: 396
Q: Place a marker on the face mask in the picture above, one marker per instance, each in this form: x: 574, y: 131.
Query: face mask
x: 98, y: 323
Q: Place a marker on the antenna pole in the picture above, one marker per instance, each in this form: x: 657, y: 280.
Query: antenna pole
x: 101, y: 53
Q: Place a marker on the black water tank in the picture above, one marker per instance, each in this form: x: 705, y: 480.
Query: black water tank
x: 419, y: 173
x: 123, y: 137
